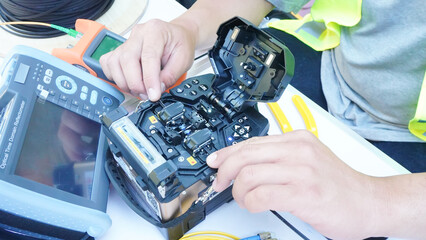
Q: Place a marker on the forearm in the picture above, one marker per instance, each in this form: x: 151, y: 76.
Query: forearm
x: 401, y: 206
x: 205, y: 16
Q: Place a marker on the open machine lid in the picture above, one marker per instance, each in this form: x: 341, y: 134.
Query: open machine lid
x: 251, y: 66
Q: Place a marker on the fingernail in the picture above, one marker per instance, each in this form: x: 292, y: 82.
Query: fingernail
x: 152, y: 94
x: 210, y: 159
x: 143, y: 96
x: 163, y: 87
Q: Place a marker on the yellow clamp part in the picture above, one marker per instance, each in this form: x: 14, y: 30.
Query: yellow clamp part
x: 306, y: 114
x: 303, y: 110
x: 281, y: 118
x: 417, y: 125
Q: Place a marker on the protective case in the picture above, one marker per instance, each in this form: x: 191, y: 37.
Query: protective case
x: 158, y: 152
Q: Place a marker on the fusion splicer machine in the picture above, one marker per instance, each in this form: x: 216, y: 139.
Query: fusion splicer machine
x: 52, y: 179
x: 159, y: 151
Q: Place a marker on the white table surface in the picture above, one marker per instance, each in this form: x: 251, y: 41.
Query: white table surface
x: 346, y: 144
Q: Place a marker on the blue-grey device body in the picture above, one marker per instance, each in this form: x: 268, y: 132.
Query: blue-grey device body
x: 31, y: 81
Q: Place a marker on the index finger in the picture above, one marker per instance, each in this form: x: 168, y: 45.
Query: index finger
x: 151, y: 66
x: 254, y: 154
x: 214, y: 162
x: 131, y: 66
x: 293, y: 136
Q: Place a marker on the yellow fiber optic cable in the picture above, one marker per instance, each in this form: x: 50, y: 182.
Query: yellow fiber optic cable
x: 25, y: 23
x: 69, y: 31
x: 209, y: 235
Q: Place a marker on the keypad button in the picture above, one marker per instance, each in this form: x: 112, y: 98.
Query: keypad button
x: 242, y: 131
x: 63, y: 97
x: 49, y: 72
x: 83, y: 96
x: 195, y: 81
x: 203, y: 87
x: 94, y: 97
x: 47, y: 79
x: 66, y: 84
x: 44, y: 94
x: 85, y: 89
x: 107, y: 101
x: 74, y: 102
x: 86, y: 107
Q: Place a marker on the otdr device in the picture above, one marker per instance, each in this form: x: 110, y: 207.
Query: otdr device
x: 52, y: 151
x: 159, y: 151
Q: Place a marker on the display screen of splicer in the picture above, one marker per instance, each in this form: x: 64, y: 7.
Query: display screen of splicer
x: 107, y: 45
x: 59, y: 149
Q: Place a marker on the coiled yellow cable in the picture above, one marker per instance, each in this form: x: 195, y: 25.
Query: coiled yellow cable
x: 209, y: 235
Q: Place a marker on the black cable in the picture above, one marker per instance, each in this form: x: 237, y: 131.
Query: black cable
x: 289, y: 225
x: 59, y: 12
x: 202, y: 55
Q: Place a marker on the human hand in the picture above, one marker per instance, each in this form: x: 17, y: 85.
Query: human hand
x: 295, y: 172
x: 156, y: 54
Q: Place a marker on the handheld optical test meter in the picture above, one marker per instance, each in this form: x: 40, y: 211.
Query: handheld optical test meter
x: 96, y: 41
x: 52, y: 150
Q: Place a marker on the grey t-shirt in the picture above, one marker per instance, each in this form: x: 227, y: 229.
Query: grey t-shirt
x: 372, y: 80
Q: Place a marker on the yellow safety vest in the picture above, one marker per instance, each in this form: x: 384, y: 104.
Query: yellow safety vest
x: 417, y: 125
x: 320, y: 29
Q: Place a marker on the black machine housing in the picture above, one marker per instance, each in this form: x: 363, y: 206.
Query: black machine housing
x: 158, y: 152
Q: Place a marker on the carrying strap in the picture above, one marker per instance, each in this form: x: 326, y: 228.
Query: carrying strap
x: 417, y: 125
x: 320, y: 29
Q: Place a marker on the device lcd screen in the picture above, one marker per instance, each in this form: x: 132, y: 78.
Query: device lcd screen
x: 107, y: 45
x: 59, y: 149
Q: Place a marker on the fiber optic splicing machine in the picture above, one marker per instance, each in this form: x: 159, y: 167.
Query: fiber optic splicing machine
x: 158, y: 152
